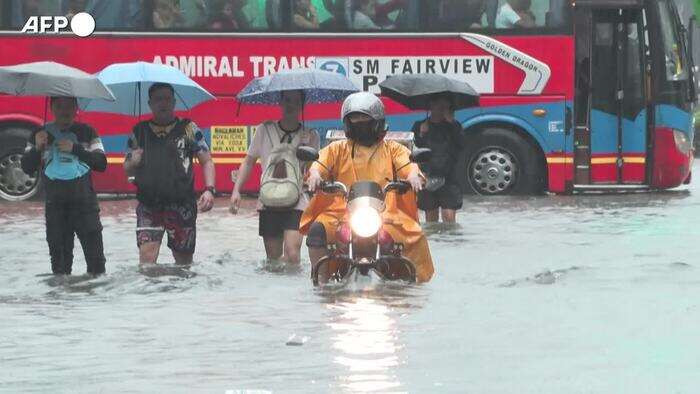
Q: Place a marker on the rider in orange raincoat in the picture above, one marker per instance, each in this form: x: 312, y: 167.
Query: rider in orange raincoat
x: 366, y: 156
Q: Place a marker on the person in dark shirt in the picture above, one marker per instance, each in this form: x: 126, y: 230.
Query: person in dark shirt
x: 67, y: 152
x: 160, y: 156
x: 442, y: 134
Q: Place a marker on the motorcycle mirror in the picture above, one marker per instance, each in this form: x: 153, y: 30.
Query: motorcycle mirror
x: 421, y: 155
x: 307, y: 153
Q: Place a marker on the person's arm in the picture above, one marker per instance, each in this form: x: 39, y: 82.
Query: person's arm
x: 206, y: 200
x: 317, y: 172
x: 303, y: 23
x: 526, y: 21
x: 94, y: 156
x: 208, y: 168
x: 419, y: 129
x: 95, y: 159
x: 457, y: 137
x: 246, y: 167
x: 134, y: 155
x: 198, y: 148
x: 411, y: 172
x: 31, y: 159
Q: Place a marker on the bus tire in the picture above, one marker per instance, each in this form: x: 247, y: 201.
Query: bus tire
x: 498, y: 161
x: 15, y: 185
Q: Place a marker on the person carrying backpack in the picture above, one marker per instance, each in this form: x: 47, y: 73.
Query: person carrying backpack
x: 159, y: 156
x: 281, y: 199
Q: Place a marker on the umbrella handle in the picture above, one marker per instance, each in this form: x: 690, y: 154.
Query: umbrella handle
x: 46, y: 106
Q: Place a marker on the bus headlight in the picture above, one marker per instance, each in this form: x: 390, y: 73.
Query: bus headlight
x: 365, y: 221
x: 682, y: 142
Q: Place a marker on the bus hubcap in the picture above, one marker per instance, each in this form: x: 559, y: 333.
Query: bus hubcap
x: 493, y: 172
x: 13, y: 181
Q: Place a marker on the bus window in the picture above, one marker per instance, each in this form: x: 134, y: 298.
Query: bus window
x: 166, y: 15
x: 310, y: 15
x: 674, y: 63
x: 531, y: 13
x: 243, y: 15
x: 461, y: 15
x: 21, y: 10
x: 109, y: 15
x: 304, y: 15
x: 458, y: 15
x: 397, y: 15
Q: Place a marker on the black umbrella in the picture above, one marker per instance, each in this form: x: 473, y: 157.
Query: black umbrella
x: 416, y: 90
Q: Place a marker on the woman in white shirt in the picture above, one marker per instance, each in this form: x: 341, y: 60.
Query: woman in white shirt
x: 515, y: 13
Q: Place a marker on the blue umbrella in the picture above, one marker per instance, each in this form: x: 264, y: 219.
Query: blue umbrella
x: 130, y: 82
x: 319, y: 87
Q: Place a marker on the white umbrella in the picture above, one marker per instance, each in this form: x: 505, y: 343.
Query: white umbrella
x: 51, y: 79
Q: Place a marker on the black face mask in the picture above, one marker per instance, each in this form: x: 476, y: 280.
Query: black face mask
x: 364, y: 133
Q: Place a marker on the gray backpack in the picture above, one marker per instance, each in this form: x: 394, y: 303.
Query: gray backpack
x: 281, y: 182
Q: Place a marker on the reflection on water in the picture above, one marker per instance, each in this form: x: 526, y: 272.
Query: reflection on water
x: 365, y: 338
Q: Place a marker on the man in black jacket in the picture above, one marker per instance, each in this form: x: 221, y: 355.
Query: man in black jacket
x: 66, y: 152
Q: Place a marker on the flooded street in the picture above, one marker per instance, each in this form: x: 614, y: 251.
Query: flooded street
x: 557, y: 294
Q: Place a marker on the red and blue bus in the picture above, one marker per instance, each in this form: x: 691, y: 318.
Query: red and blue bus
x: 591, y: 95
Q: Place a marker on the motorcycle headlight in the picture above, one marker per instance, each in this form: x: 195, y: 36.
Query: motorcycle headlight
x: 365, y: 221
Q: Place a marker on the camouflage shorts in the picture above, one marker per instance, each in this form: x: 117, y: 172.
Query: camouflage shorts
x: 178, y: 220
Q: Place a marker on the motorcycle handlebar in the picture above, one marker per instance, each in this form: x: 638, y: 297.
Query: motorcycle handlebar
x: 401, y: 186
x: 333, y: 188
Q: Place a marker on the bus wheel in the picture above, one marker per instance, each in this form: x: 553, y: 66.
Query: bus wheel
x: 500, y: 162
x: 15, y: 185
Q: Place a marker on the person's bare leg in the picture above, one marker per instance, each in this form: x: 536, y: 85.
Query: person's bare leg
x: 273, y: 248
x: 182, y: 258
x: 148, y: 253
x: 432, y: 216
x: 449, y: 216
x: 292, y: 247
x: 316, y: 254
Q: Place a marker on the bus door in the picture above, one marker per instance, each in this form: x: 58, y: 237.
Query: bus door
x: 612, y: 131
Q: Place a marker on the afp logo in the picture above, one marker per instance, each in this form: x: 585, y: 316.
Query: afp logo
x: 82, y: 24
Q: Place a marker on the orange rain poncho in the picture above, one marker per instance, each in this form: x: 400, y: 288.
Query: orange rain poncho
x: 374, y: 163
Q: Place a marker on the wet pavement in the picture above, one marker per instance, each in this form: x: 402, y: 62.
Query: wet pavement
x: 548, y: 294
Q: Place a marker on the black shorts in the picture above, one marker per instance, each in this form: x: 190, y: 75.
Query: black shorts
x: 274, y: 223
x: 447, y: 197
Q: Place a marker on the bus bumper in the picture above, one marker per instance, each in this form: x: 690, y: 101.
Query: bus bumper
x: 673, y: 158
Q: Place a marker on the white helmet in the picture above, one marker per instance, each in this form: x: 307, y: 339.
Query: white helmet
x: 364, y: 103
x: 369, y: 132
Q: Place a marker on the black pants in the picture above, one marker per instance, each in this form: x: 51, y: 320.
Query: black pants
x: 72, y: 209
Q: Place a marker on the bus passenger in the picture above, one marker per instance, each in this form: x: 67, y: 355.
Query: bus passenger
x: 166, y: 14
x: 305, y: 15
x: 515, y: 13
x: 228, y: 16
x: 362, y: 13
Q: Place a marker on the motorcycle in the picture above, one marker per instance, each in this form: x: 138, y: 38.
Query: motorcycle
x: 362, y: 244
